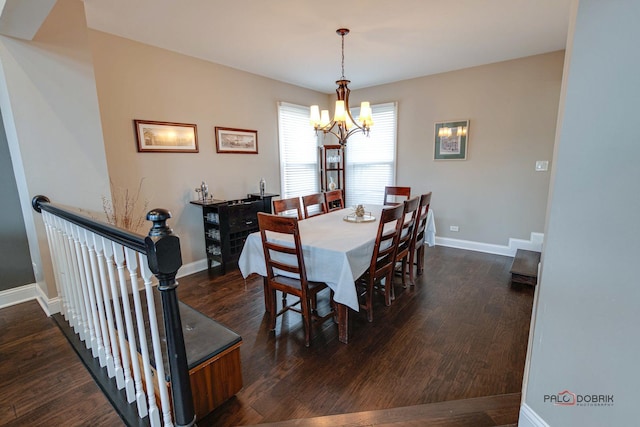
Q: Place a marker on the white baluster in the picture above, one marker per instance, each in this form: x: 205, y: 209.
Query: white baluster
x: 53, y: 249
x: 109, y: 335
x: 65, y: 241
x: 101, y: 321
x: 145, y: 273
x: 123, y: 373
x: 87, y: 284
x: 118, y: 253
x: 65, y: 286
x: 76, y: 286
x: 132, y: 266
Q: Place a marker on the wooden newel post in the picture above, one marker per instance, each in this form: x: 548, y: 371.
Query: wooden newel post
x: 163, y: 253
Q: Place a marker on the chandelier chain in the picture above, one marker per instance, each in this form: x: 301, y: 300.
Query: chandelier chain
x: 342, y: 58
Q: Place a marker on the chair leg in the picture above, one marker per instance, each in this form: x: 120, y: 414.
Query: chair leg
x: 420, y: 254
x: 407, y: 269
x: 412, y: 279
x: 267, y: 297
x: 392, y: 289
x: 273, y: 313
x: 403, y: 268
x: 306, y: 321
x: 369, y: 300
x: 388, y: 288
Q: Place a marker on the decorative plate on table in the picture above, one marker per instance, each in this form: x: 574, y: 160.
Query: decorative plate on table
x: 367, y: 217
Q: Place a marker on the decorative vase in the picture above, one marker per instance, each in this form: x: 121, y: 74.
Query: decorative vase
x: 332, y: 185
x: 359, y: 211
x: 263, y: 186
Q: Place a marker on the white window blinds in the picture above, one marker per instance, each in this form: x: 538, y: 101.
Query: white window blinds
x: 298, y: 151
x: 371, y: 161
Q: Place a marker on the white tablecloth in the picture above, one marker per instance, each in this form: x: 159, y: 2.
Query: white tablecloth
x: 335, y: 251
x: 430, y: 230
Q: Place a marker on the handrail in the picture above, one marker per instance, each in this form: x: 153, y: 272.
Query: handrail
x: 126, y: 238
x: 162, y: 249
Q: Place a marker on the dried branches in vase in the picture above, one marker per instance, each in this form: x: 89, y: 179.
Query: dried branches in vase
x: 123, y: 210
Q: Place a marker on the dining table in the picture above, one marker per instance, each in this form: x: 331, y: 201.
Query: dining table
x: 337, y: 250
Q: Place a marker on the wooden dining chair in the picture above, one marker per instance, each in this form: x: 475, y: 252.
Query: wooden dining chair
x: 314, y: 204
x: 334, y: 200
x: 382, y: 261
x: 392, y: 194
x: 416, y: 251
x: 286, y: 258
x: 291, y: 208
x: 288, y: 207
x: 409, y: 215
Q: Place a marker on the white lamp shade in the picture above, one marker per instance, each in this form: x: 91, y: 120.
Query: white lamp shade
x: 324, y: 118
x: 314, y: 116
x: 339, y: 115
x: 365, y: 114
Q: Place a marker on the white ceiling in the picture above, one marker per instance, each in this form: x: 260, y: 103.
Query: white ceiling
x: 295, y: 41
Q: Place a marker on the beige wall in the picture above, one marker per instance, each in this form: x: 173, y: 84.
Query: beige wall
x: 512, y: 106
x: 137, y: 81
x: 50, y: 110
x: 492, y: 196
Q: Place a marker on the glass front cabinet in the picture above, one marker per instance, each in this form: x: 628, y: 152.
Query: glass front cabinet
x: 332, y: 168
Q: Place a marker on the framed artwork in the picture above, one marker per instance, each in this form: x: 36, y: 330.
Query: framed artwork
x: 451, y: 140
x: 166, y: 137
x: 230, y: 140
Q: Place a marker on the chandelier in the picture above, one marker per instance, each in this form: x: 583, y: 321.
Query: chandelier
x: 342, y: 126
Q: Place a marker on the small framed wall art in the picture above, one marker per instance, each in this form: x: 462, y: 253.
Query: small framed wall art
x: 229, y: 140
x: 166, y: 137
x: 451, y: 140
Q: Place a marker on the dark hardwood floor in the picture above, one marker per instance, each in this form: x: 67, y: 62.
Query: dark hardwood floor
x: 460, y: 334
x: 42, y: 381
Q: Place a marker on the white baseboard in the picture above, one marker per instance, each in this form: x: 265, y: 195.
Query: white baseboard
x: 534, y: 244
x: 529, y: 418
x: 192, y: 267
x: 18, y: 295
x: 27, y: 293
x: 49, y: 305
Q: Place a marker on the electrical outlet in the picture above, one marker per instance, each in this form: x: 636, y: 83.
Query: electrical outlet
x: 542, y: 165
x: 454, y: 228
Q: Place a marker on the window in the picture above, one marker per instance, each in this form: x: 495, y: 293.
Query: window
x: 298, y: 151
x: 371, y: 161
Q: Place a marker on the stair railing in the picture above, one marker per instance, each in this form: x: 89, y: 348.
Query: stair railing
x: 103, y: 275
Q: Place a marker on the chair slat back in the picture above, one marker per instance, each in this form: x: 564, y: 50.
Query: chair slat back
x: 279, y: 256
x: 410, y: 212
x: 395, y: 192
x: 421, y: 220
x: 334, y: 200
x: 286, y: 207
x: 384, y: 251
x: 314, y: 200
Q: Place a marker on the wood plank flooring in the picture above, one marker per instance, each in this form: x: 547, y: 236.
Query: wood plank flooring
x: 476, y: 412
x: 460, y: 334
x: 42, y: 381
